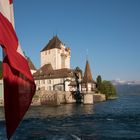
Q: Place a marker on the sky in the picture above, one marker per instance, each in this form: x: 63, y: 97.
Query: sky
x: 107, y: 32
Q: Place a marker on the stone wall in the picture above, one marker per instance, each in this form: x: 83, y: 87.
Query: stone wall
x: 99, y: 98
x: 88, y: 98
x: 62, y: 97
x: 92, y: 97
x: 52, y: 97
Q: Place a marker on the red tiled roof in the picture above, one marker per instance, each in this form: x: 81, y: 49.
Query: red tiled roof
x: 44, y: 70
x: 47, y: 72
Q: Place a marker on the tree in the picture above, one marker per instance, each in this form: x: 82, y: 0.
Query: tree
x: 108, y: 89
x: 99, y: 82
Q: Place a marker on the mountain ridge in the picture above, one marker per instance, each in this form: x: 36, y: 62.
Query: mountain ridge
x: 127, y: 82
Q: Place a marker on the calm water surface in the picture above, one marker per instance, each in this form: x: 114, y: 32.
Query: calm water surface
x: 112, y: 120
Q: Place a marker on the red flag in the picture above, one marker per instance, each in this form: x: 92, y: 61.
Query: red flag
x: 19, y: 86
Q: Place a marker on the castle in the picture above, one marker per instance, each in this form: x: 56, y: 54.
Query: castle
x: 56, y: 80
x: 55, y: 72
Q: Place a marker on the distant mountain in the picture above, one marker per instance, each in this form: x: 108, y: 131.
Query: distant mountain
x: 122, y: 82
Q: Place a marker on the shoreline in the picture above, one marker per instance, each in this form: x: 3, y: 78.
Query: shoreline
x: 112, y: 98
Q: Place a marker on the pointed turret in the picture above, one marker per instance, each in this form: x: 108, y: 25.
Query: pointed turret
x: 88, y: 84
x: 87, y: 75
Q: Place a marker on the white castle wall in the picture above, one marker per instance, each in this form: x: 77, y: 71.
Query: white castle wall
x: 49, y: 57
x: 53, y: 84
x: 58, y: 58
x: 33, y: 71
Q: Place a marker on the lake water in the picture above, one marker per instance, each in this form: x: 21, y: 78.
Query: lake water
x: 112, y: 120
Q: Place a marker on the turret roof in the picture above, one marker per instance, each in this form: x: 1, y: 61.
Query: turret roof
x: 87, y: 75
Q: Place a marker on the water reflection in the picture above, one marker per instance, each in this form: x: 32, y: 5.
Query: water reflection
x: 1, y: 113
x: 115, y: 119
x: 62, y: 110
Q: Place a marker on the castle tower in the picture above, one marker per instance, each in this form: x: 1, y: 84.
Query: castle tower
x: 56, y: 54
x: 88, y: 86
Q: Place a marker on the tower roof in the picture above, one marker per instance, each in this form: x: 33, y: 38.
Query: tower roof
x: 87, y: 75
x: 53, y: 43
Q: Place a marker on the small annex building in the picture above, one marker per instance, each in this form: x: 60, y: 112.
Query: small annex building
x: 87, y: 83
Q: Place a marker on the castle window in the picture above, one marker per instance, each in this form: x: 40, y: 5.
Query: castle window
x: 43, y: 82
x: 49, y: 88
x: 38, y: 82
x: 61, y: 80
x: 60, y: 88
x: 49, y: 81
x: 45, y: 52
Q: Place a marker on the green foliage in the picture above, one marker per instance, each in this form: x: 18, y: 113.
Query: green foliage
x: 77, y: 69
x: 99, y: 82
x: 106, y: 87
x: 36, y: 96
